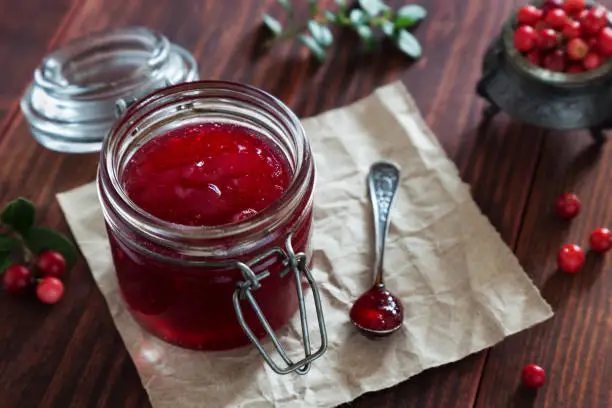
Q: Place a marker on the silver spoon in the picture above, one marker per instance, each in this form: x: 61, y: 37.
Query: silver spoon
x: 378, y: 312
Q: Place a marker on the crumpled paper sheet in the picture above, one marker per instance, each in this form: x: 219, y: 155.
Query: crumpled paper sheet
x: 462, y: 288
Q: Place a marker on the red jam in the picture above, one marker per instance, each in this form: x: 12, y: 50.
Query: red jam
x: 206, y: 175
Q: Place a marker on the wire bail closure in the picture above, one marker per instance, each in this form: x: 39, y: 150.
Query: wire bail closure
x: 296, y: 264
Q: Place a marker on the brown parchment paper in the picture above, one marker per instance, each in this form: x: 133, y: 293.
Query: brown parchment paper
x: 462, y: 287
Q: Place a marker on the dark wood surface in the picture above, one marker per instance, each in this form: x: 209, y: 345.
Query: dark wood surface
x: 71, y: 355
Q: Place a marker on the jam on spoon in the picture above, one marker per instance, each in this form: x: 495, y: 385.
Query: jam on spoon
x: 377, y: 312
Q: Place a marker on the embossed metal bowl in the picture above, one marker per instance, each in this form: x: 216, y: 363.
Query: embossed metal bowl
x: 544, y: 98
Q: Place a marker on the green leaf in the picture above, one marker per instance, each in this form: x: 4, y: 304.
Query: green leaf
x: 331, y: 17
x: 366, y: 34
x: 19, y: 214
x: 320, y: 33
x: 358, y: 17
x: 5, y: 261
x: 287, y: 6
x: 342, y: 5
x: 273, y: 24
x: 43, y: 239
x: 8, y: 244
x: 312, y: 7
x: 413, y: 11
x: 373, y: 7
x: 388, y: 28
x: 409, y: 15
x: 314, y: 47
x: 408, y: 44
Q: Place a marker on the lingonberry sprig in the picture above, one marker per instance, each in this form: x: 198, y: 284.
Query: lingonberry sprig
x: 32, y: 256
x: 364, y: 19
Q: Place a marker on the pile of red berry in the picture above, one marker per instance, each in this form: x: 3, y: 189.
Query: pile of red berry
x: 571, y: 257
x: 49, y: 268
x: 564, y: 35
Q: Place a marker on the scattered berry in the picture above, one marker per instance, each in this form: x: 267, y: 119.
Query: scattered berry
x: 595, y: 20
x: 540, y: 25
x: 571, y: 29
x: 525, y: 38
x: 591, y: 61
x: 601, y: 240
x: 577, y: 49
x: 556, y: 18
x: 51, y: 263
x: 16, y: 279
x: 529, y: 15
x: 574, y: 6
x: 555, y: 61
x: 604, y: 42
x: 567, y: 205
x: 571, y: 258
x: 574, y: 69
x: 534, y: 57
x: 49, y: 290
x: 533, y: 376
x: 547, y: 39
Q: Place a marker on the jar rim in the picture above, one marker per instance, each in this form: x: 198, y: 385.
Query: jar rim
x: 168, y: 233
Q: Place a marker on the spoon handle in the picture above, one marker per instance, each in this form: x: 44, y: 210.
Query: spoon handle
x: 383, y: 181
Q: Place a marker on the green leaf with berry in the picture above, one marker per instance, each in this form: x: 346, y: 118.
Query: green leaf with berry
x: 364, y: 19
x: 19, y: 215
x: 44, y: 239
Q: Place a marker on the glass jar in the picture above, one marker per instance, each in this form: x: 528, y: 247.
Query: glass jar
x: 213, y: 287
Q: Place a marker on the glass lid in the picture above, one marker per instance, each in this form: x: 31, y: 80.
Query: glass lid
x: 70, y: 105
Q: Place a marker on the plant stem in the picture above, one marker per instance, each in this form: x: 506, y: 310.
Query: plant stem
x: 28, y: 256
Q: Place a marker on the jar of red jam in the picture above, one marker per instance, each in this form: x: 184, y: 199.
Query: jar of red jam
x: 207, y: 194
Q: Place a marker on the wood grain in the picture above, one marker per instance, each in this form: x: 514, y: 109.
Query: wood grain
x: 72, y: 356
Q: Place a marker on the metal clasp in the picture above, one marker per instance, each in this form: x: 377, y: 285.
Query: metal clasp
x: 295, y: 263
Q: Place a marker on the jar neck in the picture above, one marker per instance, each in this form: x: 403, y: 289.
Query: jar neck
x: 214, y: 102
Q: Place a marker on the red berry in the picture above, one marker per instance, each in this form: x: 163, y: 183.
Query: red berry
x: 591, y: 61
x: 49, y: 290
x: 540, y: 25
x: 605, y: 42
x: 51, y: 263
x: 574, y: 6
x: 555, y: 61
x: 601, y: 240
x: 534, y: 57
x: 577, y: 49
x: 556, y: 18
x: 567, y: 205
x: 525, y: 38
x: 548, y: 5
x: 581, y: 17
x: 16, y: 279
x: 571, y: 29
x: 571, y: 258
x: 547, y: 38
x: 595, y: 20
x: 528, y: 15
x: 574, y: 69
x: 593, y: 43
x: 533, y: 376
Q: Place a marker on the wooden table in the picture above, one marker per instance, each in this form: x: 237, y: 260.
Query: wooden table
x: 71, y: 355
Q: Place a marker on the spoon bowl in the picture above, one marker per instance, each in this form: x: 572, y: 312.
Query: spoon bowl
x: 377, y: 312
